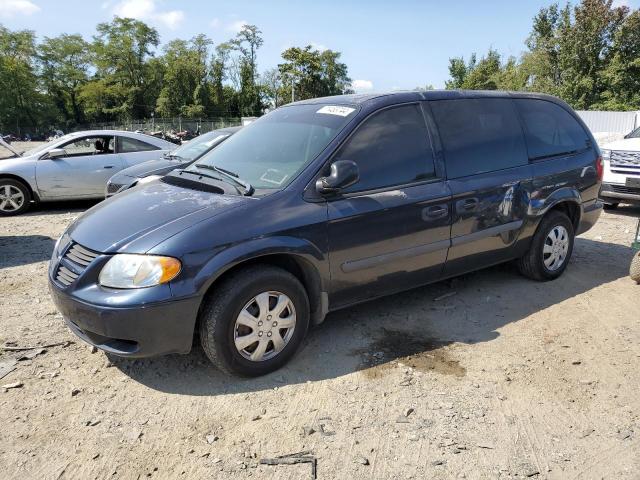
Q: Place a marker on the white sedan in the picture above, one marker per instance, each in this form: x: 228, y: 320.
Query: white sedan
x: 75, y: 166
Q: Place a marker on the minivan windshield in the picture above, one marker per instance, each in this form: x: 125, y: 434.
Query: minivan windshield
x: 199, y: 145
x: 270, y: 152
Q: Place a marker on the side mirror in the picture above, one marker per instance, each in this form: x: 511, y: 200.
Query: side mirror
x: 56, y: 153
x: 344, y: 173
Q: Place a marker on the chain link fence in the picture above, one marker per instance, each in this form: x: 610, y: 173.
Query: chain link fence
x: 169, y: 124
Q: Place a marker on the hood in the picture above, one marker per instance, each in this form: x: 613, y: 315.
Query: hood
x: 626, y: 144
x: 9, y: 147
x: 152, y: 167
x: 137, y: 220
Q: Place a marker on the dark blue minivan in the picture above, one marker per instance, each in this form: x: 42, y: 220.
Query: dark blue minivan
x: 322, y: 204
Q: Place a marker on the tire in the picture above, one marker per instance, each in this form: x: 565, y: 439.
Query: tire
x: 532, y: 264
x: 239, y: 294
x: 15, y: 197
x: 634, y: 269
x: 611, y: 206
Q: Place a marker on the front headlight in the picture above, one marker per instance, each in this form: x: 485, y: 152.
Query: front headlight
x: 606, y: 154
x: 148, y: 179
x: 137, y: 271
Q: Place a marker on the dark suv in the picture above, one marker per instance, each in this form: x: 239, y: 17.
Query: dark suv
x: 322, y: 204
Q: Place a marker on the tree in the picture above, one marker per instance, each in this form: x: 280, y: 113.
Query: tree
x: 486, y: 74
x: 20, y: 99
x: 186, y: 80
x: 65, y: 63
x: 247, y: 42
x: 622, y: 75
x: 271, y: 84
x: 587, y: 55
x: 122, y: 49
x: 310, y: 73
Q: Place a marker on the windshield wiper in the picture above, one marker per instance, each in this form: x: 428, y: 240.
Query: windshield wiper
x: 247, y: 188
x: 198, y: 174
x: 172, y: 155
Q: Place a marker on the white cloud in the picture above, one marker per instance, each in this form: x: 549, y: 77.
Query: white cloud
x: 215, y: 23
x: 11, y: 8
x: 147, y: 10
x: 237, y: 25
x: 362, y: 85
x: 621, y: 3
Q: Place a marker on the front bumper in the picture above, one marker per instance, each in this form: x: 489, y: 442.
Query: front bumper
x: 613, y: 192
x: 141, y: 331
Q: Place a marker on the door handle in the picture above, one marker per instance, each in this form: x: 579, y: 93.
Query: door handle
x: 468, y: 204
x: 436, y: 211
x: 108, y: 166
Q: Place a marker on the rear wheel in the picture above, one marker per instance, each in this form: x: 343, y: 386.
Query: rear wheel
x: 550, y: 248
x: 14, y: 197
x: 254, y: 321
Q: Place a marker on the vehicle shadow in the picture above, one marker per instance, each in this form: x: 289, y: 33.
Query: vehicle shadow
x: 55, y: 208
x: 16, y: 250
x: 411, y: 327
x: 627, y: 210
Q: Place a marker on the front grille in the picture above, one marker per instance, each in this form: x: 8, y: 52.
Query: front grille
x: 73, y: 263
x: 625, y: 159
x: 625, y: 189
x: 113, y: 187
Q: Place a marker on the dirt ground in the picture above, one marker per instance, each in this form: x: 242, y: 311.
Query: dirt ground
x: 503, y: 378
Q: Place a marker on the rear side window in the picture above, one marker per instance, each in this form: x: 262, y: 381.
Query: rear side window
x: 479, y: 135
x: 129, y: 145
x: 550, y: 130
x: 391, y: 148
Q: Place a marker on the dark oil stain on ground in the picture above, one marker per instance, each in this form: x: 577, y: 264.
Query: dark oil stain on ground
x: 420, y: 353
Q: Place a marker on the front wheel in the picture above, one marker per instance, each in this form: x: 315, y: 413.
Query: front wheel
x: 14, y: 197
x: 550, y: 248
x: 254, y: 321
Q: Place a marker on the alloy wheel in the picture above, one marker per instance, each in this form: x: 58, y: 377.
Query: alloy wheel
x: 11, y: 198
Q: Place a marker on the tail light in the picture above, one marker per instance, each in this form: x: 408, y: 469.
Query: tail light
x: 600, y: 168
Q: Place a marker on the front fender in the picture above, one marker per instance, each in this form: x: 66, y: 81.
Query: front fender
x: 225, y: 258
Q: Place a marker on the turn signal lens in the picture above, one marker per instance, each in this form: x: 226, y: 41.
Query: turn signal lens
x: 138, y: 271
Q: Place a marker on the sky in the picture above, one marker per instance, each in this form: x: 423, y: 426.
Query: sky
x: 387, y: 45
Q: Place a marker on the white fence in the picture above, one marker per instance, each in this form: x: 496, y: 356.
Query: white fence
x: 613, y: 122
x: 610, y: 126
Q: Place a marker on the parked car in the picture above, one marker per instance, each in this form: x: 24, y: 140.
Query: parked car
x: 621, y: 182
x: 178, y: 158
x: 320, y: 205
x: 73, y: 166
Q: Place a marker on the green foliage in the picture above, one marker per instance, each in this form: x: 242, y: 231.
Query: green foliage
x: 20, y: 99
x: 309, y: 73
x: 66, y: 81
x: 589, y: 55
x: 64, y: 63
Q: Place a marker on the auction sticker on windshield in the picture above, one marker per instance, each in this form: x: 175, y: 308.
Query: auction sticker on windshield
x: 336, y: 110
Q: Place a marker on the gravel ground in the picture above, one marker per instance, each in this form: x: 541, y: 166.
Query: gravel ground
x: 503, y: 378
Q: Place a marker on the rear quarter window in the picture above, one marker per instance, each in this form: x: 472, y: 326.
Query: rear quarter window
x: 549, y: 129
x: 479, y: 135
x: 129, y: 145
